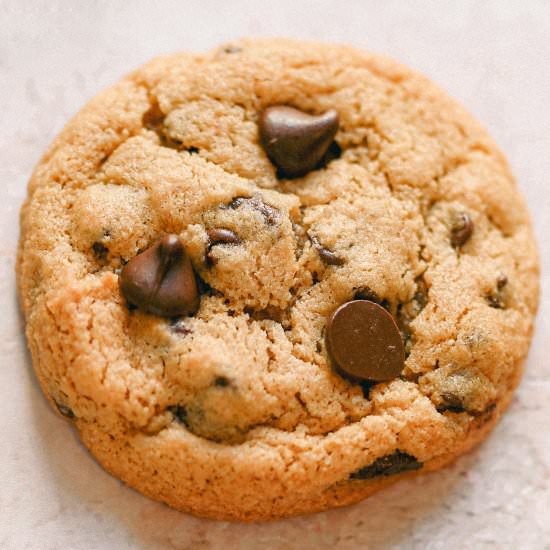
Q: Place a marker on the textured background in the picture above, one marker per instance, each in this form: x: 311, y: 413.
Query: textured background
x: 54, y: 55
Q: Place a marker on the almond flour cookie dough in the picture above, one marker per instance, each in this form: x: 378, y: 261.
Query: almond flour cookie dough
x: 275, y: 278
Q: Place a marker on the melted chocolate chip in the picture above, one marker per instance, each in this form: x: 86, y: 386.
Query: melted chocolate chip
x: 364, y: 342
x: 389, y: 465
x: 296, y: 141
x: 462, y: 229
x: 161, y: 280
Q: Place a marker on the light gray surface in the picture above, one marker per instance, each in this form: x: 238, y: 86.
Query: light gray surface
x: 493, y: 56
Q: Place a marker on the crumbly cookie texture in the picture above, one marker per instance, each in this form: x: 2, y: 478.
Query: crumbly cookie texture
x: 236, y: 412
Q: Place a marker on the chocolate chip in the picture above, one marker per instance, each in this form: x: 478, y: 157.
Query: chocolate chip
x: 179, y: 412
x: 502, y: 281
x: 451, y: 403
x: 364, y: 341
x: 268, y: 212
x: 192, y: 150
x: 161, y: 280
x: 389, y: 465
x: 238, y: 201
x: 461, y: 229
x: 327, y: 256
x: 100, y: 251
x: 496, y: 299
x: 296, y: 141
x: 64, y: 410
x: 222, y: 236
x: 222, y: 382
x: 219, y: 236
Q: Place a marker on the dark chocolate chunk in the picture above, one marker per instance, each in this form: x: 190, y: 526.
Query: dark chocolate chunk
x: 389, y: 465
x: 364, y: 342
x: 161, y: 280
x: 296, y: 141
x: 462, y: 229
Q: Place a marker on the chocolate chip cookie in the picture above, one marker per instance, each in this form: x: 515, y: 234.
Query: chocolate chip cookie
x: 275, y: 278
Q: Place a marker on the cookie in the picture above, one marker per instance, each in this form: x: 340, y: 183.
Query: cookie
x: 275, y: 278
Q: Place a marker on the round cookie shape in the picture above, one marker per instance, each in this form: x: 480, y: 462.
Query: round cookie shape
x: 196, y: 238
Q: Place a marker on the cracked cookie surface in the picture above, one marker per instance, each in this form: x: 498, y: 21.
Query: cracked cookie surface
x: 236, y: 411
